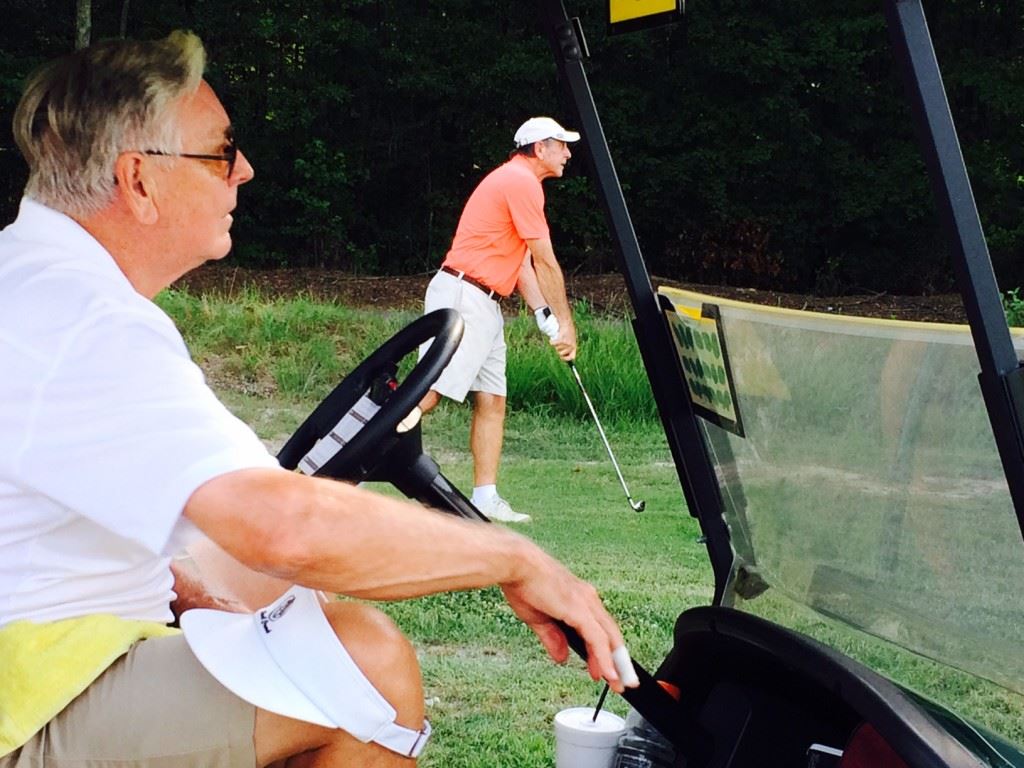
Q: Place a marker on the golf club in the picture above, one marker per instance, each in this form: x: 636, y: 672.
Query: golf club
x: 638, y: 506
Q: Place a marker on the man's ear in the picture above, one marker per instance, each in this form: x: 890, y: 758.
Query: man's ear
x: 137, y: 187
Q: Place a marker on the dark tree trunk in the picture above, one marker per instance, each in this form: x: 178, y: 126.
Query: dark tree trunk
x: 83, y: 23
x: 124, y: 19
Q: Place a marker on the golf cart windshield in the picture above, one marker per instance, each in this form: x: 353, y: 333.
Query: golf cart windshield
x: 854, y: 467
x: 859, y: 474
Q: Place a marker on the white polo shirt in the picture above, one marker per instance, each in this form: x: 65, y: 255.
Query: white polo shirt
x: 106, y: 429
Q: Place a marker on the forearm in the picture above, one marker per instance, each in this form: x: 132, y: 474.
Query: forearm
x: 528, y: 286
x: 550, y: 280
x: 336, y: 537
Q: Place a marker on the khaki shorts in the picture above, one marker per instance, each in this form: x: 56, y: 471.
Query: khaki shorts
x: 155, y: 706
x: 478, y: 365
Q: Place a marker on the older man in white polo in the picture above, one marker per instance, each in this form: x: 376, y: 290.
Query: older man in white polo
x: 116, y: 455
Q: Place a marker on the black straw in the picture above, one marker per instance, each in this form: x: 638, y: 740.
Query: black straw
x: 600, y: 703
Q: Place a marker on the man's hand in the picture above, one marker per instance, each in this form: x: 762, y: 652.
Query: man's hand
x: 549, y: 592
x: 565, y: 342
x: 546, y: 279
x: 547, y: 322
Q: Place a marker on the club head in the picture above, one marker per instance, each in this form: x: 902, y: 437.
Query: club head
x: 638, y: 506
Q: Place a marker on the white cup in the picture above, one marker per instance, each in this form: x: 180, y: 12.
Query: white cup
x: 582, y: 742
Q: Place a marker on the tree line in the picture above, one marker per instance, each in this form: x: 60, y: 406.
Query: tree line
x: 765, y: 143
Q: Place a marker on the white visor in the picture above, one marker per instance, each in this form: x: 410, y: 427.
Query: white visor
x: 287, y: 659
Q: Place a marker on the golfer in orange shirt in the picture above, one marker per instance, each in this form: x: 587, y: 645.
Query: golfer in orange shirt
x: 502, y: 244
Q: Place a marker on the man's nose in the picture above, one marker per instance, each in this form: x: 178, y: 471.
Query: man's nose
x: 243, y: 171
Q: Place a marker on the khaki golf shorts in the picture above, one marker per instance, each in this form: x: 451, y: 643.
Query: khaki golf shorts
x: 155, y: 706
x: 479, y: 363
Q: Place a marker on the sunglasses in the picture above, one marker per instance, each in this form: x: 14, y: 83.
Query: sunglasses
x: 230, y: 155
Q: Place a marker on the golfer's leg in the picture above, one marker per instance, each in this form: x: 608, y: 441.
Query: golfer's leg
x: 388, y: 660
x: 446, y: 292
x: 483, y: 325
x: 486, y: 435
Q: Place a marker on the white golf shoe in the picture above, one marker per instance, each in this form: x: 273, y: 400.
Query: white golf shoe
x: 498, y: 509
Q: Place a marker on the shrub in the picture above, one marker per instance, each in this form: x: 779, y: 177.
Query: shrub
x: 1013, y: 306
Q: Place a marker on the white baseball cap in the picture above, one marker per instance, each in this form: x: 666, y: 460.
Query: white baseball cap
x: 286, y: 658
x: 540, y: 128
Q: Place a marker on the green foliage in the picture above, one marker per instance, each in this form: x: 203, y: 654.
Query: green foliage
x: 765, y: 144
x: 608, y: 363
x: 299, y: 348
x: 1013, y: 306
x: 296, y: 348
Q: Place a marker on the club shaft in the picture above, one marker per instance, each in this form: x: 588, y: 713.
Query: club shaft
x: 600, y: 430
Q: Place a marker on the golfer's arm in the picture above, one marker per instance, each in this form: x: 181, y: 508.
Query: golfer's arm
x: 528, y: 286
x: 550, y: 279
x: 336, y: 537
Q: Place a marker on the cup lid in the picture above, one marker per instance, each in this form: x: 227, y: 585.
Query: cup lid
x: 577, y: 726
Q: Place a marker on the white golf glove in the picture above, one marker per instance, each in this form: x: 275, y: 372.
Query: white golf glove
x: 547, y: 322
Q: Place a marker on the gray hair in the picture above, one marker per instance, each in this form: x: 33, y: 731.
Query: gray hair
x: 80, y: 112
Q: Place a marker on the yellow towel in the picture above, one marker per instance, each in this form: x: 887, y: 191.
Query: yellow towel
x: 43, y: 667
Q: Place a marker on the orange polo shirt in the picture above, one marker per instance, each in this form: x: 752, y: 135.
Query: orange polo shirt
x: 504, y: 211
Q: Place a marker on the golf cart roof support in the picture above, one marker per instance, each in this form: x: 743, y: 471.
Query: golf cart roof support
x: 1001, y: 377
x: 696, y: 475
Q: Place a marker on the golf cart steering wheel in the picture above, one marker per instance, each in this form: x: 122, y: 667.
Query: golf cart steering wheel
x: 357, y: 457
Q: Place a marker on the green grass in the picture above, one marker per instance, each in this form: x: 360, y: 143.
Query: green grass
x: 491, y: 691
x: 484, y: 669
x: 490, y: 688
x: 298, y: 349
x: 295, y: 348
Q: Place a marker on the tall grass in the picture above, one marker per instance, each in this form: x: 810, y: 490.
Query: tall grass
x: 608, y: 362
x: 298, y: 348
x: 295, y: 348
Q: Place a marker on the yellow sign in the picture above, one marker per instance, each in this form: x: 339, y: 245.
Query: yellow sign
x: 627, y: 10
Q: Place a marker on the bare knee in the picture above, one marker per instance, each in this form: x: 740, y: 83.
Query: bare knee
x: 384, y: 655
x: 388, y: 661
x: 489, y: 406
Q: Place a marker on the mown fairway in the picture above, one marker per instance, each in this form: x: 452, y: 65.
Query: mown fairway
x: 494, y: 692
x: 491, y: 691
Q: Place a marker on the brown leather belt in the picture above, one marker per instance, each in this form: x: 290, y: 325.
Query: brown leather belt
x: 491, y: 294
